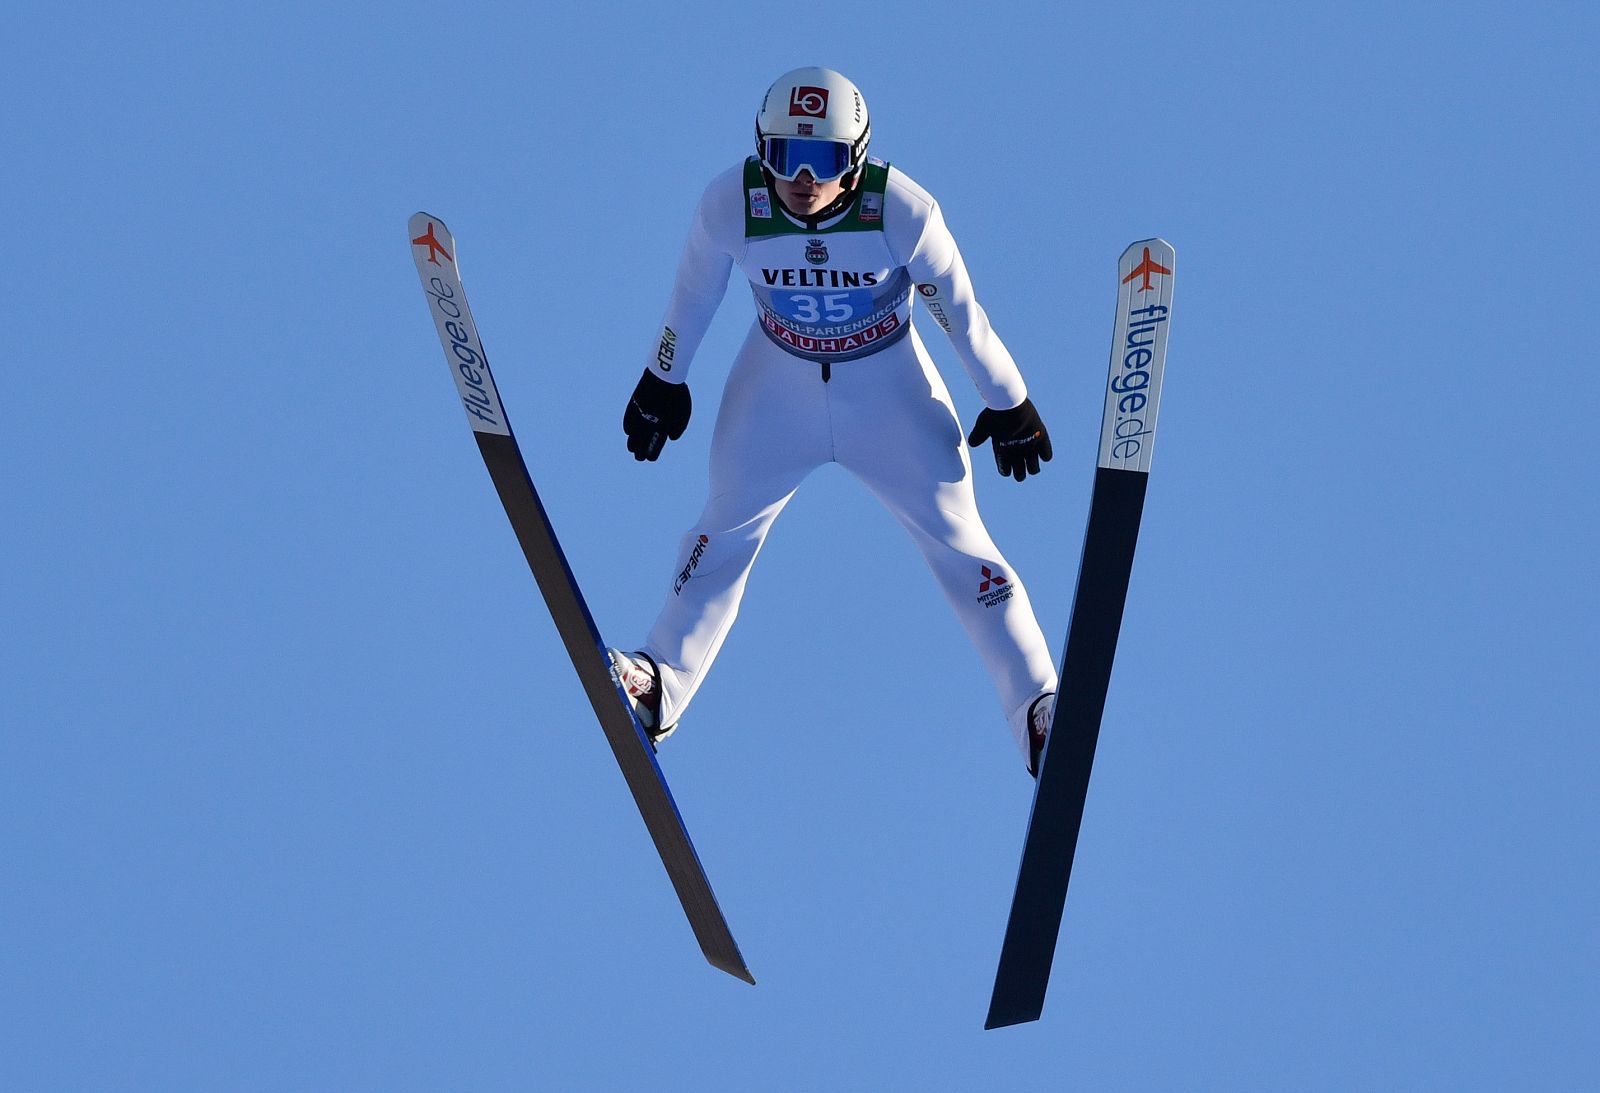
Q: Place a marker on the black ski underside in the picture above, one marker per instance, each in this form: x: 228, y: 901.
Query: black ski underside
x: 1036, y: 909
x: 633, y: 753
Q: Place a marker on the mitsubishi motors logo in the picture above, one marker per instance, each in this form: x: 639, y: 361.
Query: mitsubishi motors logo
x: 995, y: 587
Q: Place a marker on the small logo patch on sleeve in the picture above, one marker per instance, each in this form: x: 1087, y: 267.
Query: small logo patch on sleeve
x: 761, y: 204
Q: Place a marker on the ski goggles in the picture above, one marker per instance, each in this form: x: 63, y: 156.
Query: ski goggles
x: 786, y: 157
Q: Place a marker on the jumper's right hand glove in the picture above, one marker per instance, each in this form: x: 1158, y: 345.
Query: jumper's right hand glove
x: 657, y: 412
x: 1020, y: 439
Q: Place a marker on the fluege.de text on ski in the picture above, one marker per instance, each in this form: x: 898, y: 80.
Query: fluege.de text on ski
x: 476, y: 395
x: 1130, y: 383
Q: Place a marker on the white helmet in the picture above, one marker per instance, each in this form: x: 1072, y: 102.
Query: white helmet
x: 812, y: 119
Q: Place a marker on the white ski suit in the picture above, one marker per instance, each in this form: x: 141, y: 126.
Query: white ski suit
x: 833, y: 371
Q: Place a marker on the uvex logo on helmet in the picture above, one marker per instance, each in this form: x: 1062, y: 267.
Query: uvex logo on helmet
x: 808, y: 102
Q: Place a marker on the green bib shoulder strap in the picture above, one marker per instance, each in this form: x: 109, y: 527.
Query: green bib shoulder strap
x: 762, y: 217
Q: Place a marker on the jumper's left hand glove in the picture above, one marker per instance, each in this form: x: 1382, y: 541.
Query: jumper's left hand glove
x: 1020, y: 439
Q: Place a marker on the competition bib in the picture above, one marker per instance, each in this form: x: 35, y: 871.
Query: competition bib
x: 825, y: 294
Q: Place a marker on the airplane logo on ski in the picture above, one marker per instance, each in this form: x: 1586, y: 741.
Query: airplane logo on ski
x: 1147, y: 268
x: 436, y: 248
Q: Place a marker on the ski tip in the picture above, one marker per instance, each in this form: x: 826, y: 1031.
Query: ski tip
x: 428, y: 231
x: 1147, y: 259
x: 1148, y: 264
x: 430, y: 240
x: 1156, y: 244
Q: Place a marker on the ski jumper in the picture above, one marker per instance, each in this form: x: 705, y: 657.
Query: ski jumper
x: 832, y: 371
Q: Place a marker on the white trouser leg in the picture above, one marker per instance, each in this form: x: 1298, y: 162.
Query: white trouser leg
x: 900, y: 436
x: 717, y: 553
x: 772, y: 430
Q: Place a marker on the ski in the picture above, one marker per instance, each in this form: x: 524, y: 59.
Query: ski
x: 434, y: 250
x: 1127, y: 434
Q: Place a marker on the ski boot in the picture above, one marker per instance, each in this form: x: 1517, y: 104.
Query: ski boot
x: 1039, y: 716
x: 641, y: 679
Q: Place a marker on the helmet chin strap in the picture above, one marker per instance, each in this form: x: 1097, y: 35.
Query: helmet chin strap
x: 852, y: 183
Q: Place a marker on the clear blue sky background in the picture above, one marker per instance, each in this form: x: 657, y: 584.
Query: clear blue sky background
x: 297, y: 790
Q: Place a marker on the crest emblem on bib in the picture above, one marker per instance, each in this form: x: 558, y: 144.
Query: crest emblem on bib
x: 816, y: 252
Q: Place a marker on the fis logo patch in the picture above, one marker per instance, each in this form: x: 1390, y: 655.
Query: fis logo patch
x: 816, y: 252
x: 761, y: 204
x: 808, y: 102
x: 871, y: 207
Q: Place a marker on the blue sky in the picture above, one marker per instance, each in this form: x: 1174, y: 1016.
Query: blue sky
x: 297, y: 790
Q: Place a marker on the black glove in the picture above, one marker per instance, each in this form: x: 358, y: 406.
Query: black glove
x: 657, y: 412
x: 1020, y: 439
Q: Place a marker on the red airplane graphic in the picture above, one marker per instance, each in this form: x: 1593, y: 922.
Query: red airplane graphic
x: 435, y: 248
x: 1147, y: 267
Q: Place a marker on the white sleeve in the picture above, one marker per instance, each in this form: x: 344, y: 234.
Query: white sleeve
x: 918, y: 238
x: 714, y: 239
